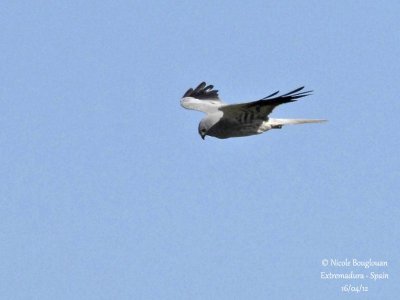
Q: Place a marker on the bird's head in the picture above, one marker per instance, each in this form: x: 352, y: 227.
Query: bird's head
x: 204, y: 126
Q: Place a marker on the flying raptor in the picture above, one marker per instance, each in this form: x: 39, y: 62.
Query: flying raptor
x: 235, y: 120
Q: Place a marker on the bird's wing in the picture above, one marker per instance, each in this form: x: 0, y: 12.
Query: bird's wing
x: 260, y: 109
x: 203, y: 98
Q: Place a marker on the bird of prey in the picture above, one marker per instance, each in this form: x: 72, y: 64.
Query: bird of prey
x: 235, y: 120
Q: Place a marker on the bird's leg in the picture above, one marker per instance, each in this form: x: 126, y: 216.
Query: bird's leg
x: 276, y: 126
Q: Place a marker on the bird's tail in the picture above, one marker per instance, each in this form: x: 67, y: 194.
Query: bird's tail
x: 281, y: 122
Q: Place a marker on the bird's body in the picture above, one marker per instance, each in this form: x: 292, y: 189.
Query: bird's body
x: 236, y: 120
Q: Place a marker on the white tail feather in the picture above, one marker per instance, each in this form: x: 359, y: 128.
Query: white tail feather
x: 277, y: 122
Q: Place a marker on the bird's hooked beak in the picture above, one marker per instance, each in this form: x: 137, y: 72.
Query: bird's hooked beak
x: 202, y: 136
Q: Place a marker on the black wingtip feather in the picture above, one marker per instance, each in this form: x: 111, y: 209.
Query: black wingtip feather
x: 294, y: 91
x: 188, y: 92
x: 203, y: 92
x: 269, y: 96
x: 285, y: 98
x: 200, y: 87
x: 295, y: 94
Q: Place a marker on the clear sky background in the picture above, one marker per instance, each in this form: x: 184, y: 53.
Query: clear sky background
x: 108, y: 191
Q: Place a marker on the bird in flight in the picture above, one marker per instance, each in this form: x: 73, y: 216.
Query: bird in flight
x: 235, y: 120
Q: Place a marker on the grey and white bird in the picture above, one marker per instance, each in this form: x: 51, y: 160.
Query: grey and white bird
x: 235, y: 120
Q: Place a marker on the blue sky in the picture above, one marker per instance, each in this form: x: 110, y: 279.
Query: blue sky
x: 108, y: 192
